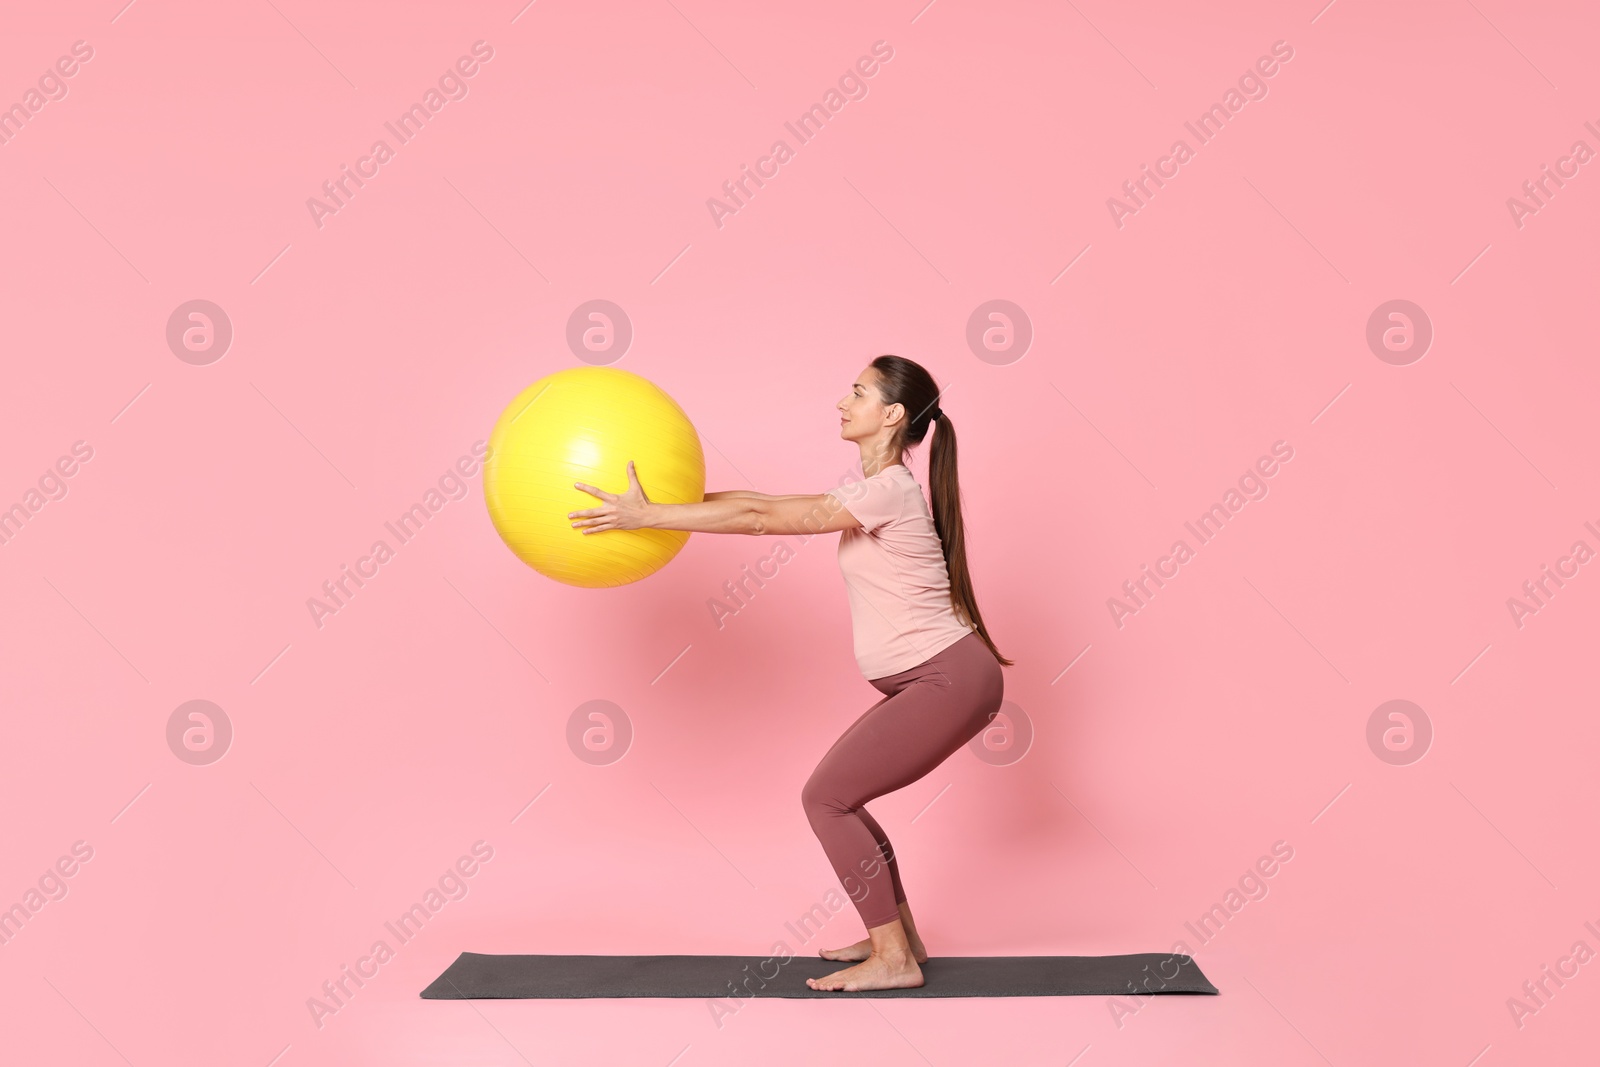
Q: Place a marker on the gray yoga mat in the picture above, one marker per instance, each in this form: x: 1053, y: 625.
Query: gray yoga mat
x: 481, y: 976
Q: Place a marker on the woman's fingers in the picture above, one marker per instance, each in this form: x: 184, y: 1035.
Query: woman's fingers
x: 595, y: 520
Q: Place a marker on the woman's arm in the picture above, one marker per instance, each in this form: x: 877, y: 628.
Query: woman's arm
x: 800, y: 513
x: 732, y: 515
x: 805, y: 513
x: 732, y: 493
x: 735, y: 512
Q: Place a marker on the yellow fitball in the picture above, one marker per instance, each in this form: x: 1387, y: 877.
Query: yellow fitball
x: 584, y: 424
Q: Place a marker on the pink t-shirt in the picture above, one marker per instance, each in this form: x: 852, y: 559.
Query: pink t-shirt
x: 895, y: 571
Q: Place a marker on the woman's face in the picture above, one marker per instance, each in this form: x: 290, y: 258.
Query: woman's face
x: 862, y: 412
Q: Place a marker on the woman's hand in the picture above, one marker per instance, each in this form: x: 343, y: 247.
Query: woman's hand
x: 621, y: 511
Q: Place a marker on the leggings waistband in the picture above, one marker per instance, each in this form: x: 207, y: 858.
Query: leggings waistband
x: 967, y: 658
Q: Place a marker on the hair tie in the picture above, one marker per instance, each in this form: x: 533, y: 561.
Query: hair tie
x: 935, y: 414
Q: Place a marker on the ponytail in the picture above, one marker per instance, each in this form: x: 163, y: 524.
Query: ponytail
x: 905, y: 382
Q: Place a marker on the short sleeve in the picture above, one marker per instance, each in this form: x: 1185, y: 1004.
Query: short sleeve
x: 874, y: 502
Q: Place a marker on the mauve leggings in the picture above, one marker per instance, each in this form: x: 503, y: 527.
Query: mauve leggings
x: 927, y: 713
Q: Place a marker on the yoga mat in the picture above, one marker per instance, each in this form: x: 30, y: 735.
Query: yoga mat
x: 481, y: 976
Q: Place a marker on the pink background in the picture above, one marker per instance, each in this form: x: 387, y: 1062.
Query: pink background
x: 370, y: 353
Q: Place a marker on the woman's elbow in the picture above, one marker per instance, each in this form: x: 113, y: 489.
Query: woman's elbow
x: 792, y: 515
x: 773, y: 516
x: 758, y: 519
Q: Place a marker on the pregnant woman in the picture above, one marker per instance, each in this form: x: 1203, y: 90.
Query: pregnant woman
x: 919, y: 639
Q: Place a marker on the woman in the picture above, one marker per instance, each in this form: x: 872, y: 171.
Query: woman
x: 918, y: 638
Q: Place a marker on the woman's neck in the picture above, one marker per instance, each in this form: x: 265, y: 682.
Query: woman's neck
x: 885, y: 465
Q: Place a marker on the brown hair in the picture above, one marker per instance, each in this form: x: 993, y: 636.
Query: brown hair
x: 902, y: 381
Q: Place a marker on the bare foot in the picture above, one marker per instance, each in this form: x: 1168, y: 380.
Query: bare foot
x: 863, y: 948
x: 877, y: 972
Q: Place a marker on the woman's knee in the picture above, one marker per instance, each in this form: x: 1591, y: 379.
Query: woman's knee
x: 819, y: 795
x: 811, y: 794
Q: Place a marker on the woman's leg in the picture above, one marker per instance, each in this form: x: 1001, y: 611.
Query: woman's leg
x: 863, y: 948
x: 898, y: 742
x: 887, y: 848
x: 932, y: 710
x: 871, y: 824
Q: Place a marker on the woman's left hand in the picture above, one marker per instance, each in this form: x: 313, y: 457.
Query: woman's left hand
x: 621, y: 511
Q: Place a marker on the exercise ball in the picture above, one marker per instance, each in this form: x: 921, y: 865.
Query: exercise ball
x: 584, y: 424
